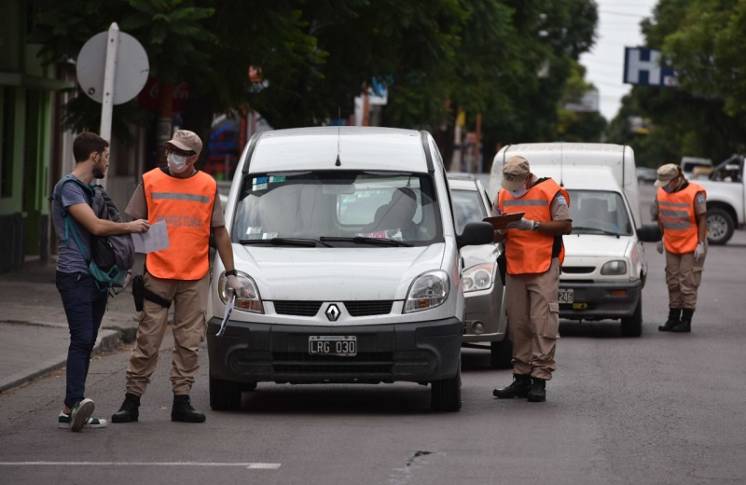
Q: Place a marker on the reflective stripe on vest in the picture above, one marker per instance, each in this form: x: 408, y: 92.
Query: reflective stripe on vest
x: 530, y: 252
x: 186, y: 206
x: 676, y: 215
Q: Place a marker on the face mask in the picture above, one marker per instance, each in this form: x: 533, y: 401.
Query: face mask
x: 176, y: 163
x: 519, y: 193
x: 671, y: 186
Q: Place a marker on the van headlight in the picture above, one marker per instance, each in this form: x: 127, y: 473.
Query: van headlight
x: 247, y: 298
x: 427, y: 291
x: 479, y: 277
x: 616, y: 267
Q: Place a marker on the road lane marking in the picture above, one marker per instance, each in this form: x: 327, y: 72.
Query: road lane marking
x: 247, y: 465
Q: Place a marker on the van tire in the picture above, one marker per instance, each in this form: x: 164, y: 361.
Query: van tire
x: 224, y: 395
x: 720, y: 226
x: 501, y: 354
x: 445, y: 394
x: 632, y: 325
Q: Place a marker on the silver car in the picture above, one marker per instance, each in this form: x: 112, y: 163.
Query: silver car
x: 485, y: 321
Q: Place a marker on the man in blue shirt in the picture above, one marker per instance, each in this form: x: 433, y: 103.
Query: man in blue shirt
x: 82, y: 299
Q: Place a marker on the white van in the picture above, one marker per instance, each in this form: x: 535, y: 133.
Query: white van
x: 344, y: 241
x: 604, y: 269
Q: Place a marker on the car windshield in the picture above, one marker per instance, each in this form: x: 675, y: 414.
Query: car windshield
x: 599, y: 212
x: 467, y: 207
x: 337, y: 208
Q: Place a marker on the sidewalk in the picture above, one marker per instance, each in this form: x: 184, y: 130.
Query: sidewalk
x: 34, y: 328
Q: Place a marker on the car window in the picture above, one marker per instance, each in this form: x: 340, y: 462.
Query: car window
x: 338, y: 204
x: 468, y: 206
x: 599, y: 211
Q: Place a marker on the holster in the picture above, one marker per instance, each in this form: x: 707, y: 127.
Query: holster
x: 140, y: 294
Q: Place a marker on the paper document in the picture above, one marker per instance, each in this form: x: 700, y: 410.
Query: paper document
x: 226, y: 315
x: 154, y: 240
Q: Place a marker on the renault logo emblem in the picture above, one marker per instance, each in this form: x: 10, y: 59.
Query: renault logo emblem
x: 332, y: 312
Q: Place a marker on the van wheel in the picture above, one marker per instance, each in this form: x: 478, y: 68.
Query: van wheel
x: 632, y: 326
x: 501, y: 354
x: 720, y: 226
x: 445, y: 395
x: 224, y: 395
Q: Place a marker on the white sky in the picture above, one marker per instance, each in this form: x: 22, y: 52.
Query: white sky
x: 618, y: 27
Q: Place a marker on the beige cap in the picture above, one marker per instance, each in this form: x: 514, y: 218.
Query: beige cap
x: 516, y: 169
x: 186, y: 140
x: 666, y: 173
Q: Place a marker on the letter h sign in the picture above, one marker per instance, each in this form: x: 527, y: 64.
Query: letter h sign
x: 642, y: 67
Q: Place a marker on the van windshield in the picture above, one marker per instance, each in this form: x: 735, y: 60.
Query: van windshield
x: 337, y: 208
x: 599, y: 212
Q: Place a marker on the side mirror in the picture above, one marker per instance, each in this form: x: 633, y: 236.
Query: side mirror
x: 476, y: 233
x: 649, y: 233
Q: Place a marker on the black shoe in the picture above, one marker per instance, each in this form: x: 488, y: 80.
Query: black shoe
x: 129, y: 411
x: 685, y: 326
x: 538, y: 392
x: 183, y: 411
x: 518, y: 388
x: 674, y: 318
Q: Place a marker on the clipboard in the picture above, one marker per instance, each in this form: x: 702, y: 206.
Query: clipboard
x: 499, y: 222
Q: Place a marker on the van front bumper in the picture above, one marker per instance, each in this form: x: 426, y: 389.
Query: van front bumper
x: 598, y: 301
x: 255, y: 352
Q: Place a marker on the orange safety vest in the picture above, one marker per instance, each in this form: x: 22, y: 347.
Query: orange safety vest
x: 676, y: 215
x: 530, y: 252
x: 186, y: 205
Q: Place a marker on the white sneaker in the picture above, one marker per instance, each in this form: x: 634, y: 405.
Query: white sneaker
x: 63, y: 421
x: 80, y: 414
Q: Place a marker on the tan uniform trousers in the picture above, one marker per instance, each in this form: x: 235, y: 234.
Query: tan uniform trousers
x: 683, y: 276
x: 190, y: 302
x: 533, y: 321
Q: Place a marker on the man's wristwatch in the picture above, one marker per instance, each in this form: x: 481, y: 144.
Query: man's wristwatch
x: 535, y: 226
x: 231, y: 272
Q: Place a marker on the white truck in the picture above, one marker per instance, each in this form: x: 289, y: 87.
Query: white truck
x: 726, y: 199
x: 604, y: 269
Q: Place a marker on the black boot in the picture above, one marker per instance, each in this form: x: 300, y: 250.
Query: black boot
x: 128, y: 411
x: 538, y: 392
x: 674, y: 318
x: 685, y: 326
x: 183, y: 411
x: 518, y: 388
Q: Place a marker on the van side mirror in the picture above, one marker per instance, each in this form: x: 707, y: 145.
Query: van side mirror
x: 649, y: 233
x: 476, y: 233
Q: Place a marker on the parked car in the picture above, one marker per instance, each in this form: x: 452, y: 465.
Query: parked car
x: 484, y: 288
x: 726, y: 199
x: 345, y: 244
x: 646, y: 175
x: 604, y: 269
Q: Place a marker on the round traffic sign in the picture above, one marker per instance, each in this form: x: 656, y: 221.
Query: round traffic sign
x: 131, y: 73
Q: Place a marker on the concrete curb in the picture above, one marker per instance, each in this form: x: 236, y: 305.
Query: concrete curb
x: 107, y: 340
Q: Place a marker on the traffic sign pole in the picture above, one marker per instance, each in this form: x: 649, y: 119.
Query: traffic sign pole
x: 110, y: 67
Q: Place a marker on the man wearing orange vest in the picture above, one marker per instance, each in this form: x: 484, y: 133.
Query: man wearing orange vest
x: 186, y: 199
x: 534, y: 253
x: 682, y: 216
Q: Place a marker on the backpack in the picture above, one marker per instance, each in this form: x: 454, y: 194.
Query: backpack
x: 110, y: 257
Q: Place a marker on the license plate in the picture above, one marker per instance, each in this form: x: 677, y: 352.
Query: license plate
x: 566, y: 295
x: 335, y: 345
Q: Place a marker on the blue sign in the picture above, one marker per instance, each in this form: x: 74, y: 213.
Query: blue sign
x: 642, y: 66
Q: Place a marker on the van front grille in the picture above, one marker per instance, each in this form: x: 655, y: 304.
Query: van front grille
x: 578, y: 269
x: 300, y: 308
x: 364, y: 308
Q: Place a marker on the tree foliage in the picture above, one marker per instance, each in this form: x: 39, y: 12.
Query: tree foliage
x: 706, y: 114
x: 506, y: 59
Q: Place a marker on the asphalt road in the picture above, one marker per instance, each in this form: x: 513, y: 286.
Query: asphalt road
x: 662, y: 408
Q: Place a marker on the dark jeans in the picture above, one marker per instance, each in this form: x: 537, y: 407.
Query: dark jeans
x: 84, y: 306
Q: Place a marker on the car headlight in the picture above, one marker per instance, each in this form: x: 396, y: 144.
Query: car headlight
x: 479, y: 277
x: 616, y: 267
x: 247, y: 298
x: 427, y: 291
